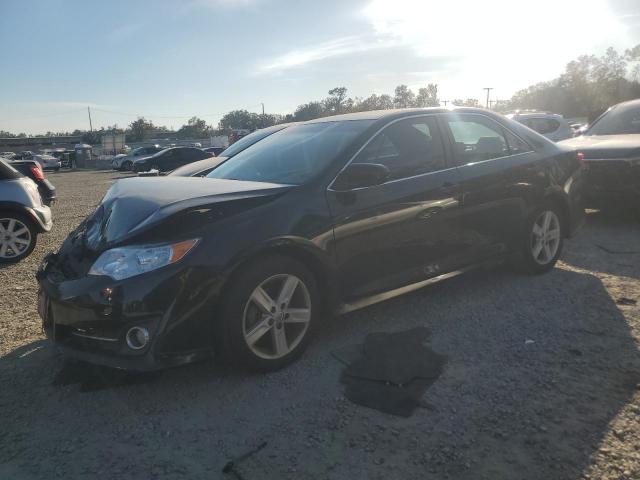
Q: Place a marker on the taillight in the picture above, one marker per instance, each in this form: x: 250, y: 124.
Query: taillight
x: 580, y: 156
x: 37, y: 173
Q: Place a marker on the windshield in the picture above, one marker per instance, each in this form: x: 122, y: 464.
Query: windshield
x: 247, y: 141
x: 621, y: 120
x: 293, y: 155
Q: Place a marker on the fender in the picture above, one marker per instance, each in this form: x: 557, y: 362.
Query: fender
x: 319, y: 261
x: 7, y: 205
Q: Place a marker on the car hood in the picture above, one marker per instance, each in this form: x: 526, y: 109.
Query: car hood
x: 605, y: 146
x: 134, y: 205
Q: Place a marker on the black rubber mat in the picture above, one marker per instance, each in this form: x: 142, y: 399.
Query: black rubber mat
x: 391, y: 371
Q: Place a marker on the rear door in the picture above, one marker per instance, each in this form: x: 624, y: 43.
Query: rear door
x: 406, y: 229
x: 500, y: 173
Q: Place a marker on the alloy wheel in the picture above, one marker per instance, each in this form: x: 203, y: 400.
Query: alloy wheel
x: 276, y: 317
x: 15, y: 238
x: 545, y: 237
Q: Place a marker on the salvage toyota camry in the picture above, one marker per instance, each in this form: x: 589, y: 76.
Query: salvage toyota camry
x: 326, y: 216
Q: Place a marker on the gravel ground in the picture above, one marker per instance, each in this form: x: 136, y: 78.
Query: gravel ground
x: 542, y: 382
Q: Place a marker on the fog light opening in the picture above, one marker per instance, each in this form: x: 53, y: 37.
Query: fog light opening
x: 137, y: 338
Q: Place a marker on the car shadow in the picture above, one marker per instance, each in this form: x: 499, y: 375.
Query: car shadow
x: 538, y: 368
x: 609, y: 243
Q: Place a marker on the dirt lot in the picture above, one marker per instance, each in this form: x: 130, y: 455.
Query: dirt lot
x: 542, y: 382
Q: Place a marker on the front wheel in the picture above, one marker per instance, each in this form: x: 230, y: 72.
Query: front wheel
x: 18, y: 237
x: 127, y: 166
x: 268, y: 315
x: 543, y: 239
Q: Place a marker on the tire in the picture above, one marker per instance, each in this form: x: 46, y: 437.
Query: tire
x: 22, y: 229
x: 127, y: 166
x: 262, y: 339
x: 543, y: 239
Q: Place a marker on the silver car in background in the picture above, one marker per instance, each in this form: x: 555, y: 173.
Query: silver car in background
x: 550, y: 125
x: 22, y: 215
x: 125, y: 162
x: 47, y: 162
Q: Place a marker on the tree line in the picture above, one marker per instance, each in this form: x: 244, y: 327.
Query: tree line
x: 588, y: 86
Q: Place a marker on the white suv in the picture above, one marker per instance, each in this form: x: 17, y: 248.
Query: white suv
x: 22, y: 214
x: 551, y: 125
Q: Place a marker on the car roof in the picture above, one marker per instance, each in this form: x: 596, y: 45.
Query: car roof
x: 396, y: 113
x: 534, y: 115
x: 629, y: 103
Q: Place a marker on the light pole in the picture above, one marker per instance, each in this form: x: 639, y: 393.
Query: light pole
x: 488, y: 89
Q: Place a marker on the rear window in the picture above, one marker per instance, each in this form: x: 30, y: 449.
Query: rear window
x: 542, y: 125
x: 7, y: 172
x: 620, y: 120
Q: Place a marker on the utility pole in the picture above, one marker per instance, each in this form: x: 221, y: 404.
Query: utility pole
x: 262, y: 114
x: 488, y: 89
x: 90, y: 125
x: 445, y: 102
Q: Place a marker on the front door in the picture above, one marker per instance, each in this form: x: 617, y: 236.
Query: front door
x: 404, y: 230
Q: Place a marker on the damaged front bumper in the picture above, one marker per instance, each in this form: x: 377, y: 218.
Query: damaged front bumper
x: 89, y: 318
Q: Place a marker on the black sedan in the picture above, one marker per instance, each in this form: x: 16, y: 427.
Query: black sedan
x: 325, y: 216
x: 611, y: 150
x: 203, y: 167
x: 170, y: 159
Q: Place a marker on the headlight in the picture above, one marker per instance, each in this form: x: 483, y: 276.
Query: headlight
x: 125, y: 262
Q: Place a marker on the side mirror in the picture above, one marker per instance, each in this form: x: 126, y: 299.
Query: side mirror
x: 359, y: 175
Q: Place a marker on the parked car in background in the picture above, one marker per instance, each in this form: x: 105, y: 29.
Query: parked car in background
x: 8, y: 155
x: 215, y: 150
x: 169, y: 159
x: 203, y: 167
x: 47, y: 162
x: 125, y: 162
x: 33, y: 170
x: 550, y: 125
x: 22, y: 214
x: 25, y: 155
x: 578, y: 128
x: 611, y: 150
x: 326, y: 216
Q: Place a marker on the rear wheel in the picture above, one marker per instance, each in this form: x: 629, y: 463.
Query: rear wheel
x: 268, y: 315
x: 543, y: 239
x: 18, y: 237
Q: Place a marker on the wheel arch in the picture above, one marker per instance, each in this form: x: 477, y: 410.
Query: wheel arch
x: 18, y: 208
x: 302, y: 250
x: 561, y: 202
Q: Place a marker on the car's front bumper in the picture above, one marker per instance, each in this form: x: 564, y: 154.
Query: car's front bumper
x: 87, y: 318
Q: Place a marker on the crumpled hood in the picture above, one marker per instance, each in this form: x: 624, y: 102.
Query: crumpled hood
x: 605, y: 146
x: 134, y: 204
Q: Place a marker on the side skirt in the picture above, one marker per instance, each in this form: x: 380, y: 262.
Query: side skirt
x: 381, y: 297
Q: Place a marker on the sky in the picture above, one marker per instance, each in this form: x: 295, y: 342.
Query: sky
x: 169, y: 60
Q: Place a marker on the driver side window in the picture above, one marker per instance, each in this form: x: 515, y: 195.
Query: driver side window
x: 407, y: 148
